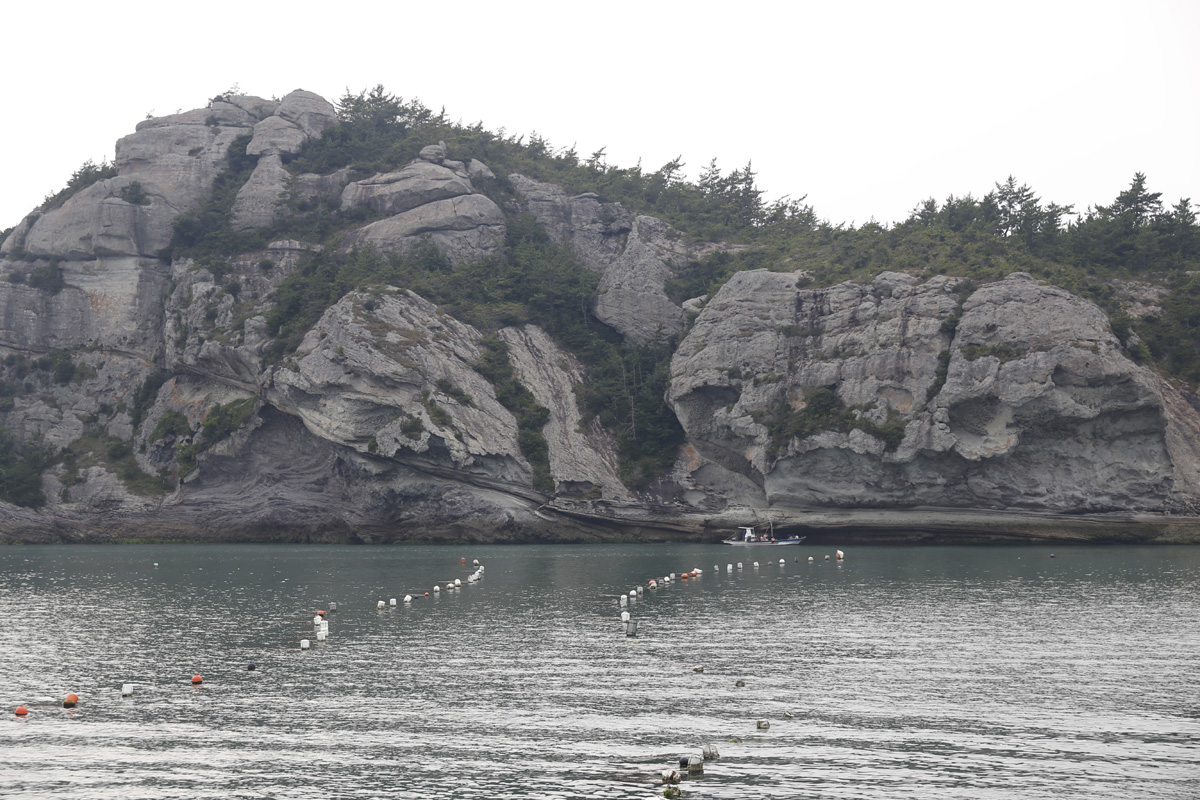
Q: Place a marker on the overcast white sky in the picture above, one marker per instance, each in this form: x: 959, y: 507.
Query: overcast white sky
x: 865, y: 107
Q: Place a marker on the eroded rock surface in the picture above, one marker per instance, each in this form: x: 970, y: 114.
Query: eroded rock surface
x: 1037, y: 406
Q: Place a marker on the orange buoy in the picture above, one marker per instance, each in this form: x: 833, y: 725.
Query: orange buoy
x: 197, y: 680
x: 21, y: 710
x: 464, y: 561
x: 70, y: 700
x: 320, y: 613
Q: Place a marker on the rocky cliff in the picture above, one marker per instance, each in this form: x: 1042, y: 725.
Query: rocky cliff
x: 165, y: 411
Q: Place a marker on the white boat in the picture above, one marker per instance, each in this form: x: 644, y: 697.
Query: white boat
x: 748, y: 538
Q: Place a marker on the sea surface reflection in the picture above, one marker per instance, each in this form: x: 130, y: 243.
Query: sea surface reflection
x: 900, y: 672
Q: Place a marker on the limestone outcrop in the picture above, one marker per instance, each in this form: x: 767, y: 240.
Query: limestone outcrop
x: 1026, y: 402
x: 170, y: 400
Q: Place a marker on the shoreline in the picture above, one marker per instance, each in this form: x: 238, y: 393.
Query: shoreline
x: 572, y: 525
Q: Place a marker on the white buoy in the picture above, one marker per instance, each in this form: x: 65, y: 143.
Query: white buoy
x: 156, y: 563
x: 840, y: 555
x: 672, y: 576
x: 381, y: 604
x: 408, y: 598
x: 763, y: 724
x: 729, y: 567
x: 304, y: 644
x: 437, y: 589
x: 716, y: 568
x: 624, y: 616
x: 475, y: 562
x: 324, y: 626
x: 811, y: 559
x: 783, y: 561
x: 641, y: 591
x: 739, y: 565
x: 827, y: 556
x: 321, y: 635
x: 317, y: 619
x: 710, y: 753
x: 624, y: 601
x: 457, y: 582
x: 695, y: 764
x: 392, y: 602
x: 653, y: 584
x: 756, y: 565
x: 126, y: 690
x: 633, y: 594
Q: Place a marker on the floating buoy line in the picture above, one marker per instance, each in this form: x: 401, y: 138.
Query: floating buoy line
x: 321, y: 633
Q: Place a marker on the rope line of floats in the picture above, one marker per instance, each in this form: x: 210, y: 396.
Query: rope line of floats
x: 693, y: 765
x: 689, y: 765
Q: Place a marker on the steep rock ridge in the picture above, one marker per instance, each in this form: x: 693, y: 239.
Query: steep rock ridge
x: 300, y: 116
x: 1038, y: 407
x: 391, y: 375
x: 595, y: 231
x: 430, y: 199
x: 582, y: 462
x: 635, y: 256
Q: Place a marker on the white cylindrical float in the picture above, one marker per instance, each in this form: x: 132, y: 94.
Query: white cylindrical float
x: 321, y: 635
x: 381, y: 604
x: 710, y: 753
x: 304, y: 644
x: 729, y: 567
x: 756, y: 565
x: 624, y: 601
x: 624, y: 616
x: 126, y: 690
x: 392, y: 602
x: 317, y: 619
x: 739, y: 565
x: 641, y: 591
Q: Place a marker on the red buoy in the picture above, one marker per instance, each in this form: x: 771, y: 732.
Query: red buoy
x: 464, y: 562
x: 321, y: 613
x: 197, y: 680
x: 21, y: 710
x: 70, y: 700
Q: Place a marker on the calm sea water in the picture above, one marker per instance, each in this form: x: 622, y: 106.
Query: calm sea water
x: 923, y: 672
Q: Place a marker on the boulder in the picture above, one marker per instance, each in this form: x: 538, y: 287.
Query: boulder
x: 464, y: 229
x: 415, y: 185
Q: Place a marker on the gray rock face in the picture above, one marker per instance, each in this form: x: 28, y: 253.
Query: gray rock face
x: 368, y: 378
x: 636, y: 256
x: 632, y: 297
x: 1038, y: 407
x: 257, y: 202
x: 464, y: 229
x: 416, y: 185
x: 595, y: 231
x: 582, y: 462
